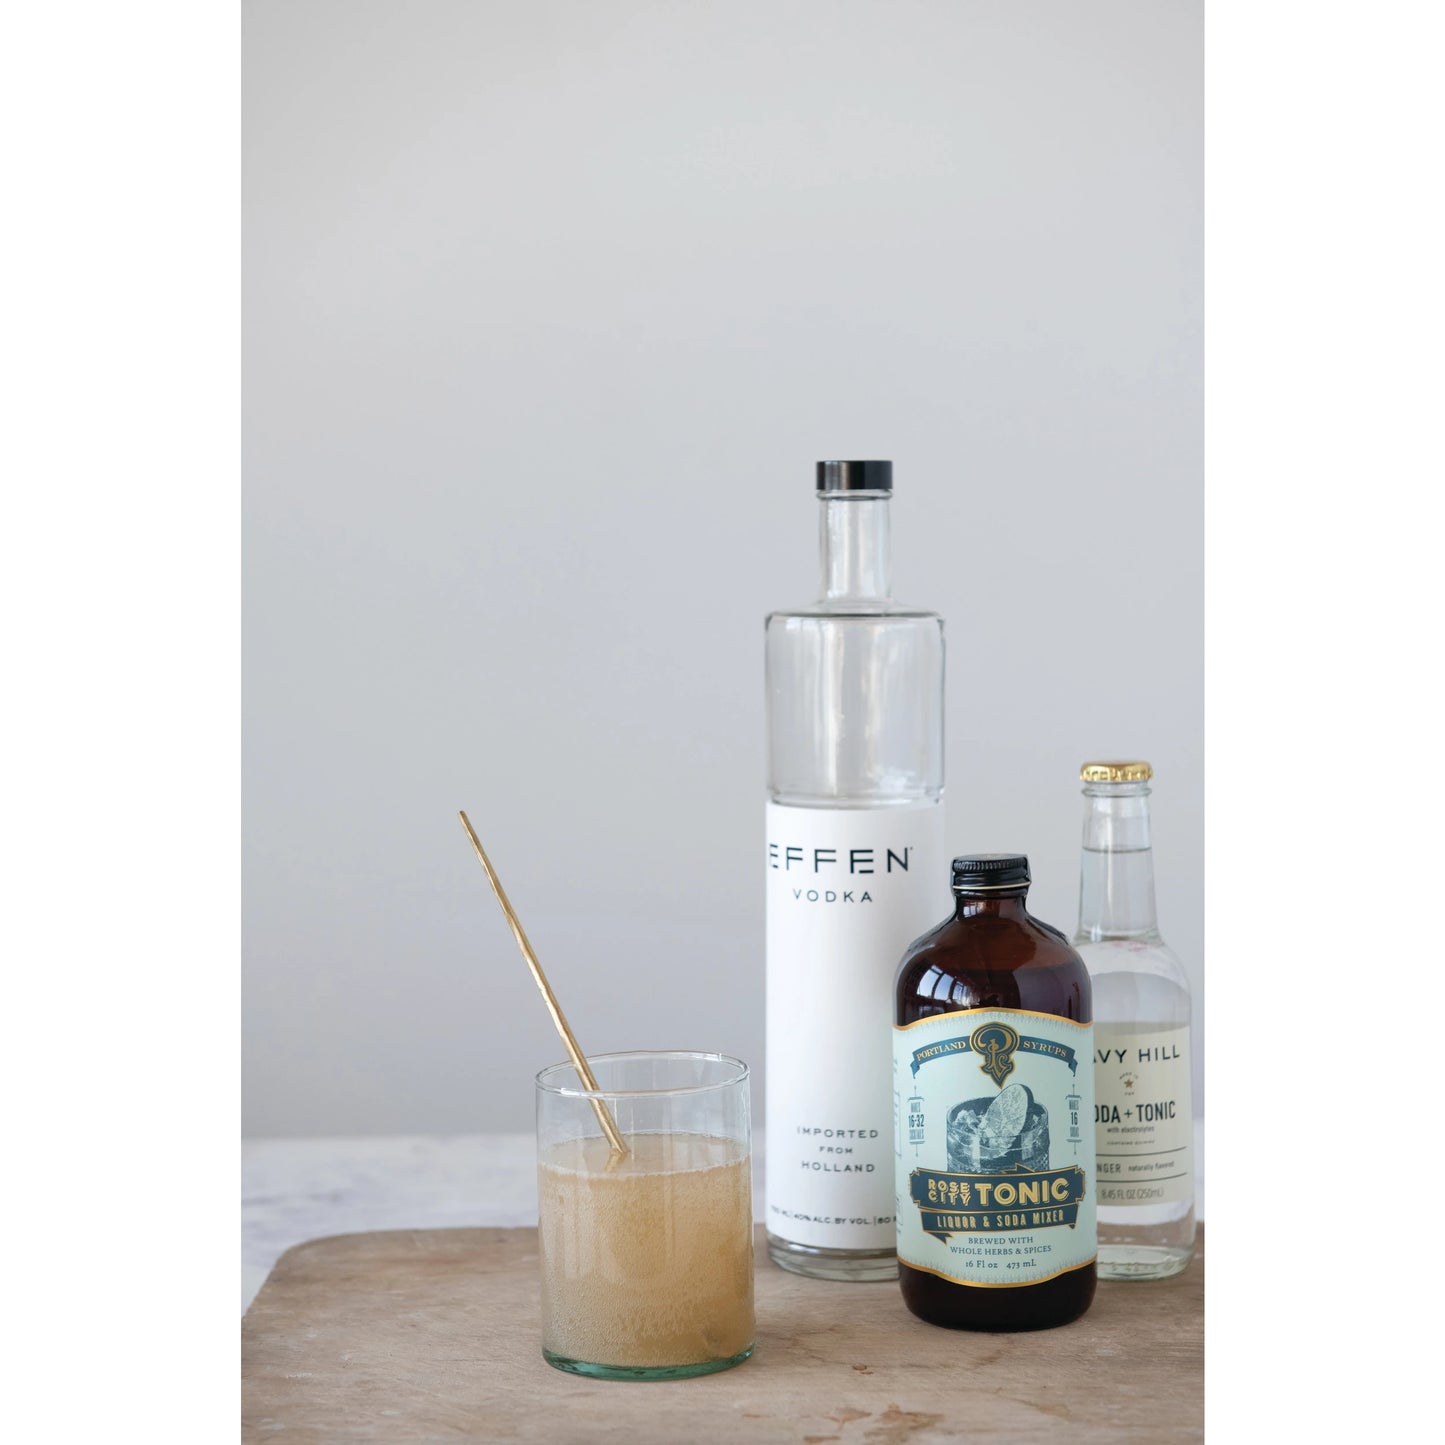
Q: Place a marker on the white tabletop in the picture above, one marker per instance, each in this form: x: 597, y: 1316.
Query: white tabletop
x: 299, y: 1189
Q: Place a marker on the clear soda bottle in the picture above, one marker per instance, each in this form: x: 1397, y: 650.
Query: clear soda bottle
x: 1143, y: 1131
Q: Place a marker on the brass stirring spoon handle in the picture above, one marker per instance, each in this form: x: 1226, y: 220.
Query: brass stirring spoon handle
x: 574, y: 1051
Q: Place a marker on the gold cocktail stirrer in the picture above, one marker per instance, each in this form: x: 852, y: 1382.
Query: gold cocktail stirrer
x: 579, y: 1060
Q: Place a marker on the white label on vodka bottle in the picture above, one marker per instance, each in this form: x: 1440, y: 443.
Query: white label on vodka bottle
x: 995, y: 1179
x: 848, y: 890
x: 1143, y: 1121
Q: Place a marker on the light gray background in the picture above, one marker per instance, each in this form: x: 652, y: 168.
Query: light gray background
x: 549, y: 309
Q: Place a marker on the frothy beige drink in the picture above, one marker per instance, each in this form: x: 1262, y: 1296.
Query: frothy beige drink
x: 649, y: 1263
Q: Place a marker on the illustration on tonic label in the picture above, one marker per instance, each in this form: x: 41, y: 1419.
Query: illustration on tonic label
x: 992, y: 1134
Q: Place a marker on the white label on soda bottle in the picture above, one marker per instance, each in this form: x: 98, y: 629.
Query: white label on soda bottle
x: 1143, y: 1122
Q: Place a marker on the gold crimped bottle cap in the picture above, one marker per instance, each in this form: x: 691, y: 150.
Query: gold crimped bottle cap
x: 1115, y: 773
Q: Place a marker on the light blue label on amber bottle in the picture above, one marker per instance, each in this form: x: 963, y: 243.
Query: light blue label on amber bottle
x: 994, y: 1146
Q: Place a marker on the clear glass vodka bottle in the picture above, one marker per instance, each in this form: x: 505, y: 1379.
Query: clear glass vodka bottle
x: 854, y: 853
x: 1143, y: 1119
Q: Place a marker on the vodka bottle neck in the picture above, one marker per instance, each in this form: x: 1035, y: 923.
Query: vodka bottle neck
x: 854, y: 542
x: 1116, y: 881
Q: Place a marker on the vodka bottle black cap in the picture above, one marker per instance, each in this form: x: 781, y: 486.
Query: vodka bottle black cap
x: 855, y: 476
x: 990, y: 872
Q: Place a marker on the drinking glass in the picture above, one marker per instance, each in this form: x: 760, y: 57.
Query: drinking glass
x: 647, y: 1261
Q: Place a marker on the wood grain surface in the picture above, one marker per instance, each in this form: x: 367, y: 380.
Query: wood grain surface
x: 434, y: 1335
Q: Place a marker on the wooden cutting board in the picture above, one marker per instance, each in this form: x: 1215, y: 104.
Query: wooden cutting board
x: 434, y: 1335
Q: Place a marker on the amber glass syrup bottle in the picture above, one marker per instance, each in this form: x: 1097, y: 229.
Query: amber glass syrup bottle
x: 993, y: 1078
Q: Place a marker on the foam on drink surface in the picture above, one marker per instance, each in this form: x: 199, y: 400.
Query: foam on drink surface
x: 650, y: 1263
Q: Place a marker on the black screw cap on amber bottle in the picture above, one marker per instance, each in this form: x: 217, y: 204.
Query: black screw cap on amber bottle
x: 990, y: 872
